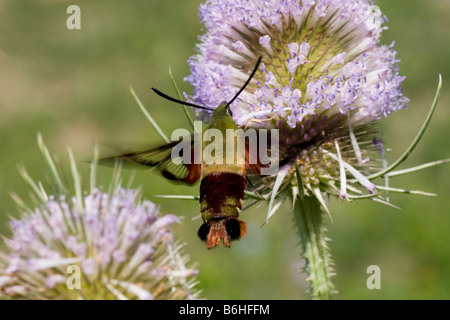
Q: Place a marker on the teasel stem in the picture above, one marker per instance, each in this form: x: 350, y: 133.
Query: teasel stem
x: 308, y: 218
x: 307, y: 213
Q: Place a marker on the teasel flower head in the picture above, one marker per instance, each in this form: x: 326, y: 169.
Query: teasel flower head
x: 325, y: 82
x: 92, y: 245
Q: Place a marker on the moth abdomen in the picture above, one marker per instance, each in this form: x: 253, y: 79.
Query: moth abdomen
x: 221, y: 195
x: 220, y: 190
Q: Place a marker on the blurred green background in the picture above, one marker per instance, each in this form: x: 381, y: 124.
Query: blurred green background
x: 73, y: 87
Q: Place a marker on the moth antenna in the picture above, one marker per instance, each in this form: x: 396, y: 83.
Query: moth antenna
x: 165, y: 96
x: 248, y: 81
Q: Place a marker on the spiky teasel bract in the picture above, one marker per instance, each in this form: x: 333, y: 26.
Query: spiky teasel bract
x: 325, y: 83
x: 121, y: 245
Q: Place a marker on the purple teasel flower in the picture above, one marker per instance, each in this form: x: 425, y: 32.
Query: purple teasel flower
x: 324, y: 82
x: 92, y: 245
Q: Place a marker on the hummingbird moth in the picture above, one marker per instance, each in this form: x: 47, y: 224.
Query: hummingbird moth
x: 223, y: 184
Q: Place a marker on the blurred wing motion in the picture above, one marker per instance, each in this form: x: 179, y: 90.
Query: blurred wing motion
x: 161, y: 158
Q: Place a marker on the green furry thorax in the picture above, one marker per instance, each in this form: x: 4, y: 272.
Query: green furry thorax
x: 221, y: 119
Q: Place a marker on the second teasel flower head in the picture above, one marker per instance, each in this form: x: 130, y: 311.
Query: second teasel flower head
x: 92, y: 245
x: 325, y: 78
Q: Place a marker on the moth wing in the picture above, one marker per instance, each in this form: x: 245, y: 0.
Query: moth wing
x: 252, y: 161
x: 253, y: 154
x: 161, y: 158
x: 257, y: 158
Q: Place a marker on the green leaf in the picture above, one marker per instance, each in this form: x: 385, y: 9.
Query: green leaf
x: 418, y: 168
x: 273, y: 207
x: 186, y: 112
x: 413, y: 145
x: 179, y: 197
x: 149, y: 117
x: 301, y: 189
x: 56, y: 179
